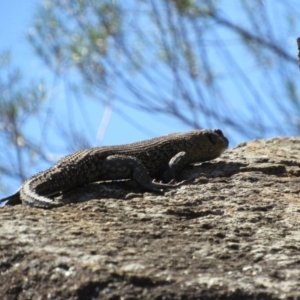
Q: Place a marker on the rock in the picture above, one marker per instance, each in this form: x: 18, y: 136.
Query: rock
x: 234, y: 233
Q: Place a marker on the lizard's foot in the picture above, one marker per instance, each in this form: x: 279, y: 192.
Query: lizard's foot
x: 172, y: 184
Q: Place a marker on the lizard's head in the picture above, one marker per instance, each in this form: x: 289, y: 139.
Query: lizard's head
x: 208, y: 144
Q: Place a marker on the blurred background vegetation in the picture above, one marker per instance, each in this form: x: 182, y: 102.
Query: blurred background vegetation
x: 200, y: 63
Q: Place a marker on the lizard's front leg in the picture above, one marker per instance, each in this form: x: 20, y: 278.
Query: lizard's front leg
x: 123, y: 166
x: 176, y: 164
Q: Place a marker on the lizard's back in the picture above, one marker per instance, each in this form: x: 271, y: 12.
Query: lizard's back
x: 87, y: 166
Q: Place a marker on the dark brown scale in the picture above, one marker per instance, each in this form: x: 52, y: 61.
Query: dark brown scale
x: 162, y: 157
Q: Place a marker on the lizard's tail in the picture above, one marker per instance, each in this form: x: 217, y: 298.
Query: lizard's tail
x: 13, y: 199
x: 29, y: 194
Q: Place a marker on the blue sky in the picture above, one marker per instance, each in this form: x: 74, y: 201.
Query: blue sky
x: 16, y: 17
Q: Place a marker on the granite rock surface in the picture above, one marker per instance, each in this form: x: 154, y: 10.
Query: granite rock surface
x: 233, y: 233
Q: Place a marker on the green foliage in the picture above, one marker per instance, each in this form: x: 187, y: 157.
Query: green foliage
x: 184, y: 44
x: 211, y: 63
x: 20, y: 101
x: 75, y: 33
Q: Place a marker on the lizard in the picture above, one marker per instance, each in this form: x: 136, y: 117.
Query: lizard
x: 160, y: 158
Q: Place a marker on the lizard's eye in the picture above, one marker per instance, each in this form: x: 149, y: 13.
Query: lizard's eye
x: 217, y: 137
x: 219, y: 132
